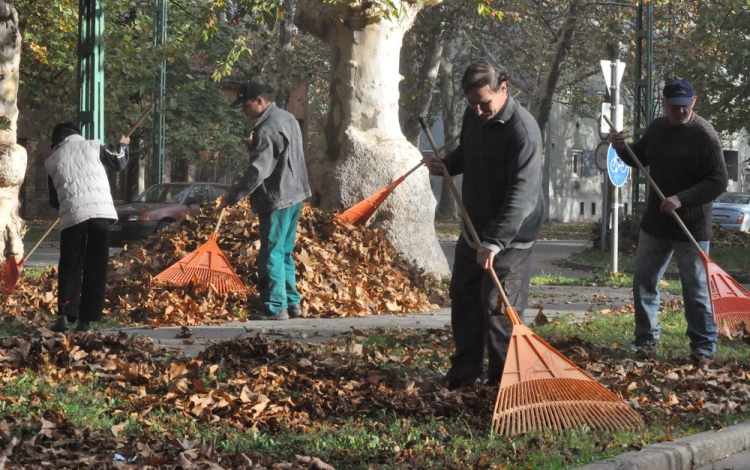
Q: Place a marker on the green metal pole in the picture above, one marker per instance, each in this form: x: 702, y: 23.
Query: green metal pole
x: 91, y: 68
x: 160, y: 84
x: 644, y: 90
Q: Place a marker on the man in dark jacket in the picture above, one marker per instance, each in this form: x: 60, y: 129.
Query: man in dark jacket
x: 276, y: 181
x: 686, y: 161
x: 500, y: 157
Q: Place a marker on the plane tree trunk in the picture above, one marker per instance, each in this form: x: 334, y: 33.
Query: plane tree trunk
x: 362, y: 148
x: 12, y: 155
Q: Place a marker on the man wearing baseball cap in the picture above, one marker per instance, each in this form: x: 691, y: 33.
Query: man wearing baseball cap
x: 276, y: 181
x: 684, y: 157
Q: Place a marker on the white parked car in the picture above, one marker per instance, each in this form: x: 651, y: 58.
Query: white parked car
x: 732, y: 210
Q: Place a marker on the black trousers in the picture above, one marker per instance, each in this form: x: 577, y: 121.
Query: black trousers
x: 475, y: 319
x: 82, y: 276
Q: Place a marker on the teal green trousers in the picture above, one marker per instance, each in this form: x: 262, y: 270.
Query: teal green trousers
x: 276, y: 271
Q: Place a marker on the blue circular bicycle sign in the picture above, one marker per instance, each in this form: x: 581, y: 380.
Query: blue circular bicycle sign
x: 617, y: 170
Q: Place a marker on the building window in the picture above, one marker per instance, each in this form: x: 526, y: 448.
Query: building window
x: 576, y: 163
x: 582, y: 210
x: 593, y: 208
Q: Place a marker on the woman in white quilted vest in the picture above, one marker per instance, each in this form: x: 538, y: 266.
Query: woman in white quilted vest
x: 79, y: 190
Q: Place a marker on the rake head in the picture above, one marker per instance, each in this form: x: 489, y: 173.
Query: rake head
x: 361, y: 212
x: 730, y: 301
x: 541, y: 388
x: 206, y: 266
x: 9, y: 275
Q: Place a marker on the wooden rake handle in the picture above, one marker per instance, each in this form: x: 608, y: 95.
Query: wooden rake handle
x: 39, y: 242
x: 416, y: 167
x: 140, y: 120
x: 470, y: 226
x: 221, y: 217
x: 655, y: 187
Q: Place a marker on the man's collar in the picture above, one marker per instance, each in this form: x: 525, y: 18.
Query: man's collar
x: 506, y: 113
x: 267, y: 112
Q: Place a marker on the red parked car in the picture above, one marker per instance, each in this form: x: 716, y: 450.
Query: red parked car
x: 159, y: 206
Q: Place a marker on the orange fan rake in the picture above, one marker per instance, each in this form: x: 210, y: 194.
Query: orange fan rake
x: 730, y: 301
x: 206, y: 266
x: 540, y: 388
x: 360, y: 212
x: 10, y: 270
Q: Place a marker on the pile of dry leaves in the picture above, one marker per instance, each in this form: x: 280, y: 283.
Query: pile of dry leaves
x: 342, y: 271
x: 254, y: 383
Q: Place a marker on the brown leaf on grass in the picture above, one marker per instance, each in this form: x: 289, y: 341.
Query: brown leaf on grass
x: 540, y: 319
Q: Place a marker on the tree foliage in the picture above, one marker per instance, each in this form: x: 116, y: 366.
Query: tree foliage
x: 198, y: 120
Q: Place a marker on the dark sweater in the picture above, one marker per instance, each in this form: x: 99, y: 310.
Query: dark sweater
x: 501, y: 162
x: 686, y: 161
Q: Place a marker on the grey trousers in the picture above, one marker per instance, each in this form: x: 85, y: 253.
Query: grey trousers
x: 475, y: 318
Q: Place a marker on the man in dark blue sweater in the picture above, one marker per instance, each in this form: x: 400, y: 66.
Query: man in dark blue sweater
x: 685, y: 160
x: 500, y: 157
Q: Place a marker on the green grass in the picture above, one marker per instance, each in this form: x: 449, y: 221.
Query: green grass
x: 617, y: 329
x: 550, y: 230
x: 34, y: 233
x: 561, y: 231
x: 605, y: 279
x: 729, y: 259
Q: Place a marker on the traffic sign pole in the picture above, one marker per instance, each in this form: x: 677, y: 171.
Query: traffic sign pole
x: 616, y: 170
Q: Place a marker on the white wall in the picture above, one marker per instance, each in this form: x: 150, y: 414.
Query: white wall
x: 568, y: 189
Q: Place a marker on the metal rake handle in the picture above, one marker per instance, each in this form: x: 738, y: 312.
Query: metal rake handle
x: 655, y: 187
x: 464, y: 214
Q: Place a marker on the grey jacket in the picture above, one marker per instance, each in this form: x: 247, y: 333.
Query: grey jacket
x: 277, y: 175
x: 501, y: 161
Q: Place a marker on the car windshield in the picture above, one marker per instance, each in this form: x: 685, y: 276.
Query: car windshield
x: 164, y: 193
x: 734, y: 198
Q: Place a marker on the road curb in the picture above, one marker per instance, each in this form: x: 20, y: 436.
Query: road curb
x: 686, y: 453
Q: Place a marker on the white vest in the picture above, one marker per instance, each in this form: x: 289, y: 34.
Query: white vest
x: 81, y: 182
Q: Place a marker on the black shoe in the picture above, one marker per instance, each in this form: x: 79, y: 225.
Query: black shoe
x: 83, y: 326
x: 295, y: 311
x: 702, y: 360
x: 61, y: 325
x: 648, y: 347
x: 449, y: 382
x: 266, y: 314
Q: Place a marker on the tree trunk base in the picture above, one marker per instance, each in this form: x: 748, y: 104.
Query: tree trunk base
x: 406, y: 216
x: 12, y: 172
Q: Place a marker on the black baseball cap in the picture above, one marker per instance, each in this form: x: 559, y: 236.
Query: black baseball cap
x: 249, y: 91
x: 678, y: 92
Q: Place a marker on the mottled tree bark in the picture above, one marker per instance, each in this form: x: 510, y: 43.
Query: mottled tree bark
x: 12, y: 155
x: 363, y: 148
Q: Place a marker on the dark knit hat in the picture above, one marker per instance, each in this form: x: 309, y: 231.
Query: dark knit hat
x: 62, y: 131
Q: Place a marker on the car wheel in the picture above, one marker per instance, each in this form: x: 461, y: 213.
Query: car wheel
x: 163, y: 225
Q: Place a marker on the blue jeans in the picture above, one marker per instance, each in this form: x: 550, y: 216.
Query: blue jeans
x: 276, y: 270
x: 651, y: 262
